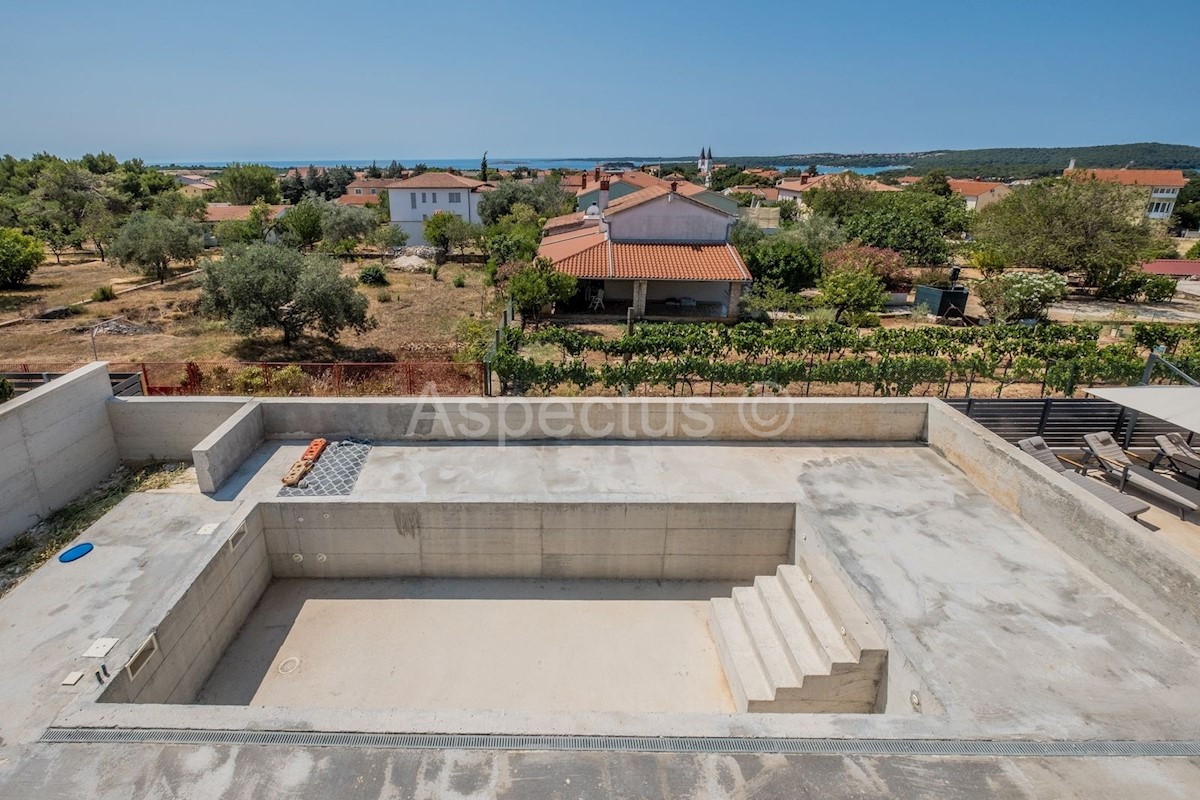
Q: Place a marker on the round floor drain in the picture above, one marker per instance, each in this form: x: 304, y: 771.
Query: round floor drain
x: 290, y: 664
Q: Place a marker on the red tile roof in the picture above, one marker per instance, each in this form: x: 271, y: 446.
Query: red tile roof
x: 973, y: 188
x: 223, y: 212
x: 799, y: 185
x: 363, y: 199
x: 438, y: 180
x: 768, y: 193
x: 370, y: 183
x: 1181, y: 267
x: 565, y: 223
x: 1170, y: 178
x: 685, y: 190
x: 590, y: 255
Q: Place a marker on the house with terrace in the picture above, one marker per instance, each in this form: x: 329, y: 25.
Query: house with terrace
x: 658, y: 251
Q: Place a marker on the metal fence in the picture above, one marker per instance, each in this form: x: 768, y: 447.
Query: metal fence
x: 125, y: 384
x: 1062, y: 421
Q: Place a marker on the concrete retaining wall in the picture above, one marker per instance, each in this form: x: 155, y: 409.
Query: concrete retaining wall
x: 166, y: 428
x: 224, y: 450
x: 1162, y: 580
x: 502, y: 419
x: 684, y: 541
x: 202, y: 622
x: 55, y: 443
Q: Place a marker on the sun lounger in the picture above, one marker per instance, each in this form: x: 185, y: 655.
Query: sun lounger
x: 1178, y: 455
x: 1118, y: 467
x: 1037, y: 447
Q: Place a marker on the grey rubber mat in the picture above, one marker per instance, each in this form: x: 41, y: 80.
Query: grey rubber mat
x: 335, y: 472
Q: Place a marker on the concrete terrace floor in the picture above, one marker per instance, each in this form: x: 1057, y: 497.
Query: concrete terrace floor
x: 1004, y: 633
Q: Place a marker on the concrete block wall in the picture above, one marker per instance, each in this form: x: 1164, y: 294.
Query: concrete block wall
x: 55, y: 443
x: 686, y: 541
x: 1159, y: 578
x: 524, y: 419
x: 202, y: 622
x: 221, y: 452
x: 166, y: 428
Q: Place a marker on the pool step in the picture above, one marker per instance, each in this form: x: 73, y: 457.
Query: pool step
x: 796, y: 641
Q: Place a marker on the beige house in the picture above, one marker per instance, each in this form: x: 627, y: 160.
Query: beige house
x: 979, y: 194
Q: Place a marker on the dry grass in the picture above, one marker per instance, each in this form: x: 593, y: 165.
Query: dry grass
x: 417, y: 323
x: 43, y: 541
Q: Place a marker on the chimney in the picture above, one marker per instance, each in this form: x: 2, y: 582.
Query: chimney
x: 674, y: 186
x: 596, y: 174
x: 603, y: 201
x: 803, y: 178
x: 584, y: 176
x: 1071, y: 165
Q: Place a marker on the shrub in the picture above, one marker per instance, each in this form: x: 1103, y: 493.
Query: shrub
x: 885, y: 264
x: 384, y: 296
x: 433, y: 271
x: 1193, y: 251
x: 489, y: 273
x: 1134, y: 285
x: 460, y: 280
x: 291, y: 380
x: 851, y: 291
x: 20, y: 255
x: 862, y: 319
x: 539, y: 285
x: 372, y: 275
x: 103, y: 293
x: 7, y: 392
x: 1021, y: 295
x: 249, y: 380
x: 1159, y: 288
x: 933, y: 276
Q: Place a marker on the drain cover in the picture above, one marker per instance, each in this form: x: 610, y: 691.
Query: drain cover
x: 289, y: 665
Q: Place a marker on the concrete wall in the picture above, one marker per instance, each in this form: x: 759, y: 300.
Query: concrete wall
x: 224, y: 450
x: 711, y: 419
x: 166, y: 428
x: 1163, y: 581
x: 202, y: 622
x: 55, y: 443
x: 661, y: 541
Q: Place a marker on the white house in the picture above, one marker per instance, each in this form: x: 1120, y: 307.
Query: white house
x: 657, y: 251
x: 416, y: 199
x: 1161, y: 185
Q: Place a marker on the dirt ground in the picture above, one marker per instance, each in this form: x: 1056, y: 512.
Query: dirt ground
x: 417, y: 320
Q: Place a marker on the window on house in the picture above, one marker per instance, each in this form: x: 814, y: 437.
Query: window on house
x: 374, y: 191
x: 413, y: 195
x: 423, y: 196
x: 358, y: 191
x: 1160, y: 208
x: 435, y: 197
x: 455, y: 197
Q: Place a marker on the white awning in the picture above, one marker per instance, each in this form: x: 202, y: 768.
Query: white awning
x: 1178, y: 405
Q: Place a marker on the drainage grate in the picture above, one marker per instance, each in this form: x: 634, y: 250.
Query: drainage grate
x: 649, y: 744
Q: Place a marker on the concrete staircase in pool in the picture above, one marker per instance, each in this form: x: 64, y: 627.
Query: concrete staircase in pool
x: 797, y: 642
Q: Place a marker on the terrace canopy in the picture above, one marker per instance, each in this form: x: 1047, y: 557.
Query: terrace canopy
x: 1178, y: 405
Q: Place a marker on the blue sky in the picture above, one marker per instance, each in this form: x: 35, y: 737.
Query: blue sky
x: 306, y: 80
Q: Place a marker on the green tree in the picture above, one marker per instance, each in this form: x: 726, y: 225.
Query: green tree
x: 898, y: 229
x: 839, y: 197
x: 745, y: 235
x: 935, y: 182
x: 177, y: 205
x: 344, y: 227
x: 887, y: 265
x: 546, y: 197
x: 291, y: 187
x: 483, y: 168
x: 783, y: 262
x: 148, y: 242
x: 51, y: 223
x: 388, y: 237
x: 1069, y: 225
x: 99, y: 226
x: 446, y: 230
x: 538, y: 285
x: 245, y: 231
x: 1193, y: 251
x: 301, y: 225
x: 851, y: 290
x: 244, y: 184
x: 819, y: 234
x: 263, y: 286
x: 20, y: 255
x: 374, y: 172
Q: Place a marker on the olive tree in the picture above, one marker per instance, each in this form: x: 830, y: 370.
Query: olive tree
x: 20, y: 255
x: 149, y: 242
x: 266, y: 286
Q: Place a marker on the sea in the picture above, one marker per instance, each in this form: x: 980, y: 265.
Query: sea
x: 500, y: 163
